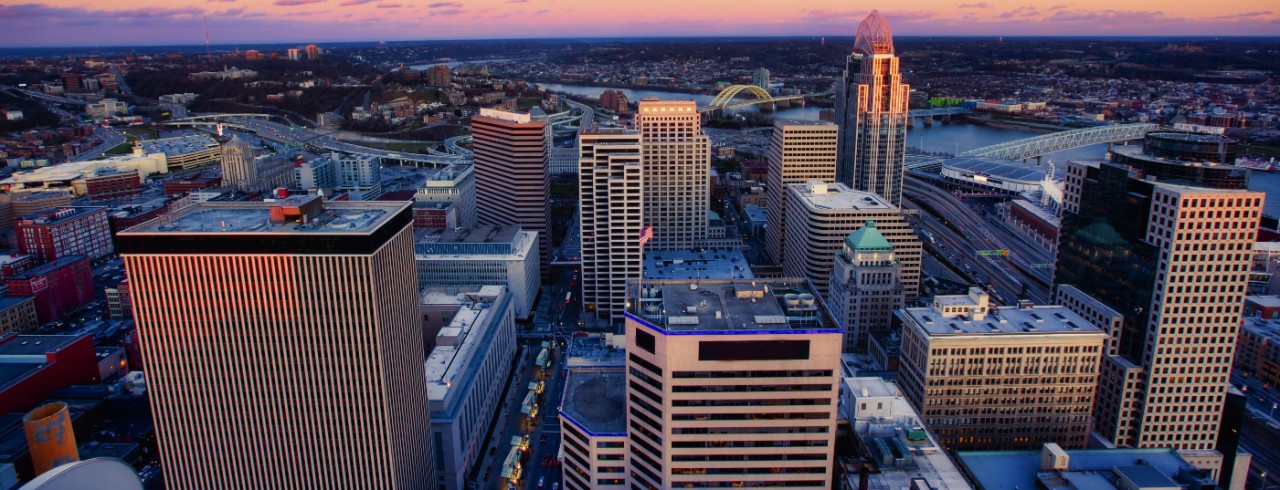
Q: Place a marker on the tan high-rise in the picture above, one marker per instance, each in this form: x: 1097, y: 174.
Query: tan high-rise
x: 611, y: 178
x: 677, y: 169
x: 1000, y: 378
x: 512, y: 154
x: 283, y: 345
x: 731, y: 384
x: 798, y: 153
x: 820, y: 216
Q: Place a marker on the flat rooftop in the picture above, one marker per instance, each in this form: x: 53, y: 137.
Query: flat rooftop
x: 597, y: 351
x: 180, y: 145
x: 595, y: 400
x: 1010, y: 470
x: 459, y: 346
x: 218, y: 218
x: 695, y: 306
x: 1003, y: 320
x: 479, y: 234
x: 724, y: 263
x: 829, y: 196
x: 1008, y: 170
x: 1262, y: 327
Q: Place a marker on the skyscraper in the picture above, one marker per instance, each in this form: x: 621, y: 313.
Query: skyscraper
x: 512, y: 154
x: 731, y: 384
x: 677, y: 173
x: 611, y: 178
x: 871, y: 110
x: 866, y: 286
x: 283, y: 344
x: 1161, y: 238
x: 798, y: 152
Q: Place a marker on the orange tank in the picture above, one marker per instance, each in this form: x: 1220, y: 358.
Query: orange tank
x: 51, y: 440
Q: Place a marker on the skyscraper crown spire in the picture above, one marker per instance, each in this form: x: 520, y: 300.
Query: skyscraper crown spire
x: 874, y: 36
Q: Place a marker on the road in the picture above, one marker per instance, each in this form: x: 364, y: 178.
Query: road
x: 298, y: 136
x: 110, y: 139
x: 960, y: 248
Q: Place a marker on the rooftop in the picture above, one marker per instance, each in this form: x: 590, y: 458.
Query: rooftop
x: 61, y: 214
x: 1010, y: 470
x: 460, y: 346
x: 868, y: 239
x: 894, y: 437
x: 180, y: 145
x: 487, y: 242
x: 479, y: 234
x: 825, y: 197
x: 218, y: 218
x: 595, y: 400
x: 23, y: 354
x: 1008, y: 170
x: 704, y: 306
x: 728, y: 263
x: 597, y: 351
x: 973, y: 314
x: 44, y: 268
x: 69, y: 171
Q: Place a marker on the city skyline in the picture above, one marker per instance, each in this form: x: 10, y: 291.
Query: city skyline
x: 162, y: 22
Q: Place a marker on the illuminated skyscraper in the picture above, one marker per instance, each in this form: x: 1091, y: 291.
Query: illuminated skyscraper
x: 871, y: 110
x: 283, y: 344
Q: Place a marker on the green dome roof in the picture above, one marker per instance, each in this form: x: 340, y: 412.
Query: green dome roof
x: 868, y: 239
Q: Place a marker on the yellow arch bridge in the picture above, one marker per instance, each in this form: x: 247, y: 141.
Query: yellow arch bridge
x: 725, y: 99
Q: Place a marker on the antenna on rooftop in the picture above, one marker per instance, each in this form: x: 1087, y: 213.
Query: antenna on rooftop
x: 206, y: 37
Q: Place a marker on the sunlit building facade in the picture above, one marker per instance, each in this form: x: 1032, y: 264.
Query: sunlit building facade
x: 871, y: 110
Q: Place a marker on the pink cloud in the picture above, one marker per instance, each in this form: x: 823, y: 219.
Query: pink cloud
x: 294, y: 3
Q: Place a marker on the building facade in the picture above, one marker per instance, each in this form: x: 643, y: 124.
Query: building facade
x: 871, y: 110
x: 731, y: 384
x: 457, y: 184
x: 798, y: 153
x: 246, y: 172
x: 611, y: 208
x: 1000, y: 378
x: 466, y: 378
x: 865, y: 286
x: 304, y: 314
x: 65, y: 231
x: 512, y: 153
x: 359, y: 175
x: 820, y: 216
x: 677, y: 166
x: 1163, y: 236
x: 58, y: 287
x: 478, y: 256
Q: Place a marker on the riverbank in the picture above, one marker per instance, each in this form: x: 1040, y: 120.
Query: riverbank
x: 1014, y: 124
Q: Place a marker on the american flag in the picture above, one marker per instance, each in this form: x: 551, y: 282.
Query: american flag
x: 646, y: 235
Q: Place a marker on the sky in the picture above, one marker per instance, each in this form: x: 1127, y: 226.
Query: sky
x: 167, y: 22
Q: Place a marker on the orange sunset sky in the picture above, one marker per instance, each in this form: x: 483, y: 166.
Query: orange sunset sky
x: 151, y: 22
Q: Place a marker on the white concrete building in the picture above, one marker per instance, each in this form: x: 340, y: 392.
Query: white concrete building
x: 610, y: 203
x: 865, y: 286
x: 893, y: 435
x: 798, y: 152
x: 466, y: 376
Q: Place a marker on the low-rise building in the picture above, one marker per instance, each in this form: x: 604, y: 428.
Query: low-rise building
x: 33, y: 366
x: 85, y: 178
x: 1095, y: 469
x: 1258, y: 349
x: 454, y: 183
x: 58, y: 287
x: 893, y: 440
x: 184, y: 152
x: 105, y: 108
x: 18, y: 315
x: 985, y: 377
x: 483, y: 255
x: 466, y: 376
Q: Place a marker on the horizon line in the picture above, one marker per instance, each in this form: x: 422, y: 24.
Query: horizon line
x: 1206, y: 37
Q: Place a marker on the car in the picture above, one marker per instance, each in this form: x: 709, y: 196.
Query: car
x: 555, y: 486
x: 542, y: 480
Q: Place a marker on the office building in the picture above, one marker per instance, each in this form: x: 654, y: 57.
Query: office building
x: 1258, y: 349
x: 66, y: 231
x: 871, y: 110
x: 1095, y: 469
x: 358, y: 175
x: 466, y: 377
x: 335, y: 277
x: 184, y: 152
x: 26, y: 203
x: 105, y: 108
x: 511, y: 176
x: 798, y: 152
x: 315, y: 174
x: 18, y: 315
x: 892, y: 438
x: 33, y: 366
x: 505, y: 255
x: 731, y: 384
x: 456, y: 184
x: 820, y: 216
x: 429, y: 214
x: 313, y: 52
x: 246, y: 172
x: 865, y: 286
x: 1162, y: 237
x: 611, y: 207
x: 119, y: 304
x: 1000, y: 378
x: 677, y: 165
x: 593, y: 427
x: 564, y: 160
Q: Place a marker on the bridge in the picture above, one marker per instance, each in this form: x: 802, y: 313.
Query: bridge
x: 1039, y: 145
x: 941, y: 111
x: 724, y: 100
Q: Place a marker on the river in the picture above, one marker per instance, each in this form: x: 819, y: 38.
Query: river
x: 950, y: 138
